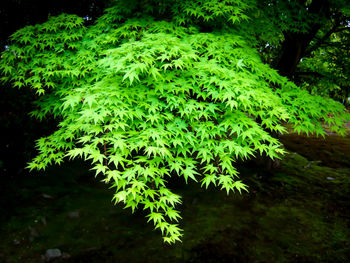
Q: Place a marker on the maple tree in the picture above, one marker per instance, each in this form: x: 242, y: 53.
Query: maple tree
x: 161, y: 88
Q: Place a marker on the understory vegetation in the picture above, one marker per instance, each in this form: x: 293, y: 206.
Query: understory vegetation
x: 299, y: 213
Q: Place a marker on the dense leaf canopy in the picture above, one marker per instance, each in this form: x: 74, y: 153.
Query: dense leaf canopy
x: 161, y: 88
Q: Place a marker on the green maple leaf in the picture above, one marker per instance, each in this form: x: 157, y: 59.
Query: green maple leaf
x: 211, y: 178
x: 155, y: 217
x: 189, y: 172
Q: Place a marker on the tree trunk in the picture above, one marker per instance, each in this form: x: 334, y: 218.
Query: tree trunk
x: 295, y: 44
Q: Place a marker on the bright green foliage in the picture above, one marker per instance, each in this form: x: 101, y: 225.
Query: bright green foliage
x: 144, y: 99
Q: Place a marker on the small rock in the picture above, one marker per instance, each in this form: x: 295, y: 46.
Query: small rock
x: 74, y: 214
x: 330, y: 178
x: 52, y: 254
x: 308, y: 165
x: 16, y: 242
x: 47, y: 196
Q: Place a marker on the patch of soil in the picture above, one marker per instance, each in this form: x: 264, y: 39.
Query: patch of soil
x: 332, y: 151
x: 224, y: 246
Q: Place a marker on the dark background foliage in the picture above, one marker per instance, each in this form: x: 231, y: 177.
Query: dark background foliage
x: 15, y: 14
x: 19, y: 130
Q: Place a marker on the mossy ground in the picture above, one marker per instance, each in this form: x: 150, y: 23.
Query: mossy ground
x: 298, y: 213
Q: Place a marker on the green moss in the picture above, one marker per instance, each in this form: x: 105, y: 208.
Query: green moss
x: 332, y: 151
x: 296, y: 214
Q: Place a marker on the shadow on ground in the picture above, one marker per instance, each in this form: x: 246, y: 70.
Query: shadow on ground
x: 298, y: 213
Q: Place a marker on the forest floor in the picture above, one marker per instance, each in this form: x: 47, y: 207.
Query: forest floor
x: 298, y: 213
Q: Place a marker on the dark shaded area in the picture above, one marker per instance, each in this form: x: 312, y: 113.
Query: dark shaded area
x: 19, y: 131
x: 15, y: 14
x: 331, y: 151
x: 295, y: 44
x: 299, y: 213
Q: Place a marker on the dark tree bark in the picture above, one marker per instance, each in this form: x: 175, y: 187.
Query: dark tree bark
x: 294, y: 48
x: 295, y: 44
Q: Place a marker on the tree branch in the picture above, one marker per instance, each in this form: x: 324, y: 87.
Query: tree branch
x: 322, y: 40
x: 309, y: 73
